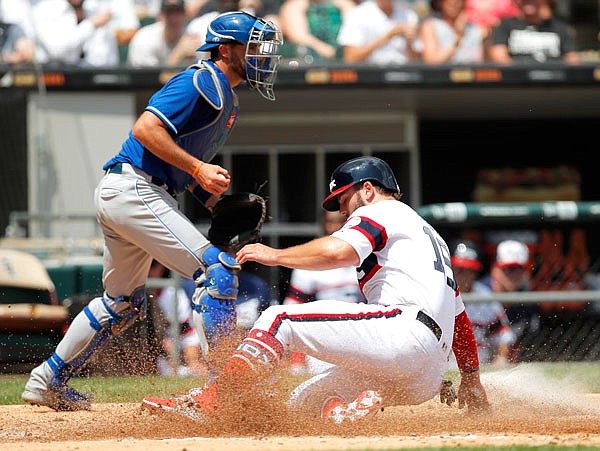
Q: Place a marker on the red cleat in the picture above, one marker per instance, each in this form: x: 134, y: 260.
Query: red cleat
x: 187, y: 406
x: 365, y: 406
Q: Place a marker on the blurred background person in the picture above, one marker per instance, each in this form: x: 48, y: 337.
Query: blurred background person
x: 306, y: 286
x: 381, y: 32
x: 511, y: 272
x: 124, y: 23
x: 448, y: 36
x: 18, y: 12
x: 164, y: 42
x: 15, y: 46
x: 267, y: 9
x: 190, y: 360
x: 312, y: 27
x: 491, y: 326
x: 254, y: 297
x: 535, y: 35
x: 68, y: 34
x: 488, y: 13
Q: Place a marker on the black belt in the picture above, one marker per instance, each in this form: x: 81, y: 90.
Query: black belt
x: 118, y: 169
x: 430, y: 323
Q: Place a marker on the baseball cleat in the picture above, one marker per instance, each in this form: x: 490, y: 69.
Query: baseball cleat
x: 185, y: 405
x: 365, y: 406
x: 58, y: 397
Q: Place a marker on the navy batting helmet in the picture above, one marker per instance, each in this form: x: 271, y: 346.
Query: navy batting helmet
x: 262, y: 39
x: 355, y: 171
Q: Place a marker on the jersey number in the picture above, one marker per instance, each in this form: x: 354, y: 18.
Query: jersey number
x: 442, y: 259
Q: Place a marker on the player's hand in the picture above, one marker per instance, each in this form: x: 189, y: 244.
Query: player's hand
x: 472, y: 394
x: 213, y: 178
x: 447, y: 393
x: 257, y: 253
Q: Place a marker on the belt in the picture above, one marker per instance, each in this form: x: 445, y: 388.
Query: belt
x: 430, y: 323
x: 118, y: 169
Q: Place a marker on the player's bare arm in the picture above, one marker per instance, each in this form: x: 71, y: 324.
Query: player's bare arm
x: 152, y: 133
x: 319, y: 254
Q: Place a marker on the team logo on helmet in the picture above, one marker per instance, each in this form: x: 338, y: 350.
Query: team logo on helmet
x: 331, y: 186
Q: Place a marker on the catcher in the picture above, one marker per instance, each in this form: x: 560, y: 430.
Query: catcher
x: 168, y: 151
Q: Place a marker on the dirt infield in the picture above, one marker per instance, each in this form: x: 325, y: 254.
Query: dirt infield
x: 528, y: 412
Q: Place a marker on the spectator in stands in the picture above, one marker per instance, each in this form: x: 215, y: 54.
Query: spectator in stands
x: 491, y: 326
x: 307, y: 286
x: 18, y: 12
x: 193, y: 7
x: 268, y: 9
x: 15, y: 46
x: 511, y: 272
x: 124, y: 22
x: 312, y: 26
x: 380, y: 32
x: 532, y: 36
x: 66, y: 34
x: 164, y: 42
x: 147, y: 10
x: 448, y: 37
x: 488, y: 13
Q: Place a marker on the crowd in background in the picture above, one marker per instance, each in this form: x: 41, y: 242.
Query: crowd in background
x: 155, y: 33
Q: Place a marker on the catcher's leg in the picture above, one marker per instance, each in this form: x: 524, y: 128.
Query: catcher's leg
x: 91, y: 329
x: 214, y: 300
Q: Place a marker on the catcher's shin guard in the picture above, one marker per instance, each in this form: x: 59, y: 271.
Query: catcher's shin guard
x: 91, y: 329
x: 214, y: 299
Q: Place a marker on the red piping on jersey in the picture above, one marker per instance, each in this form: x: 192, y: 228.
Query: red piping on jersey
x: 314, y: 317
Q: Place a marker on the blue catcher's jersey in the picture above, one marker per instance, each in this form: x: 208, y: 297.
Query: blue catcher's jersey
x: 200, y: 109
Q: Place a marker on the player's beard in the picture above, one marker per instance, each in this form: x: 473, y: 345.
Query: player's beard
x: 238, y: 65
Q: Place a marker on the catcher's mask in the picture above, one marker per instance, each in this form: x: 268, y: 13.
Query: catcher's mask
x: 355, y: 171
x: 262, y: 39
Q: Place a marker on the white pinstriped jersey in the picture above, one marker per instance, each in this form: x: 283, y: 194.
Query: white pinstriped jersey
x: 389, y: 237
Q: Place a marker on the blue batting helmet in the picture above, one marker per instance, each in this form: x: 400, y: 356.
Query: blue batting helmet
x: 262, y: 40
x: 355, y: 171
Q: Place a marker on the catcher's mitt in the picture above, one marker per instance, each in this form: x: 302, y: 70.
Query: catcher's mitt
x: 237, y: 220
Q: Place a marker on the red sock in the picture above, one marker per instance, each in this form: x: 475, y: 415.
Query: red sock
x: 252, y: 362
